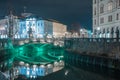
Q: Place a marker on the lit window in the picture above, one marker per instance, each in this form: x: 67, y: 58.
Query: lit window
x: 24, y: 25
x: 21, y: 25
x: 110, y: 6
x: 33, y: 24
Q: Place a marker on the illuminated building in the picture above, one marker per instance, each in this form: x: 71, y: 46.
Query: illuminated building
x: 48, y: 28
x: 2, y: 28
x: 106, y: 18
x: 84, y: 33
x: 59, y: 29
x: 36, y: 25
x: 9, y: 26
x: 39, y: 27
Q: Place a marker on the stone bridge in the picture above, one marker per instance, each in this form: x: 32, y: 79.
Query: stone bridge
x: 56, y: 41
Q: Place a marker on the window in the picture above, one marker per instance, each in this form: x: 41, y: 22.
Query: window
x: 21, y: 25
x: 117, y: 16
x: 110, y: 18
x: 38, y: 24
x: 118, y: 3
x: 101, y: 20
x: 110, y: 6
x: 41, y: 24
x: 24, y: 25
x: 102, y: 9
x: 95, y: 22
x: 94, y: 1
x: 95, y: 11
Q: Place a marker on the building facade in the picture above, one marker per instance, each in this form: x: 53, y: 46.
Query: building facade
x: 3, y: 28
x: 9, y: 26
x: 40, y: 28
x: 36, y: 25
x: 106, y: 18
x: 59, y: 29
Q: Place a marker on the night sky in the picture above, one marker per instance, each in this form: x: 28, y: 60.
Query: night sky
x: 70, y: 12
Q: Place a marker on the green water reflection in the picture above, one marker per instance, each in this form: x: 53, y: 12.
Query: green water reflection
x: 38, y: 53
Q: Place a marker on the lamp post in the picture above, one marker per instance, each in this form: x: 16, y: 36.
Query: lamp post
x: 81, y: 33
x: 30, y: 32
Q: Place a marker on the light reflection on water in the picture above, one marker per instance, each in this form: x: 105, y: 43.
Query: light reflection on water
x: 88, y: 72
x: 84, y: 73
x: 34, y: 71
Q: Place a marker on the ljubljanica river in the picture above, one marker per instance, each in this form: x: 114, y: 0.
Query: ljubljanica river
x: 84, y: 72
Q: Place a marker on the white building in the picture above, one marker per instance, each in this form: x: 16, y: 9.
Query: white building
x: 84, y: 33
x: 9, y: 26
x: 3, y: 25
x: 37, y: 26
x: 106, y: 18
x: 40, y: 28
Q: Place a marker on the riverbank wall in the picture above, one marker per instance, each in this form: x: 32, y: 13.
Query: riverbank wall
x: 100, y: 52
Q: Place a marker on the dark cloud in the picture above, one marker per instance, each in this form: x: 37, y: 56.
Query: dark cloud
x: 66, y: 11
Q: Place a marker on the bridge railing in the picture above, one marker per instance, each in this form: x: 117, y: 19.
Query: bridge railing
x: 96, y: 39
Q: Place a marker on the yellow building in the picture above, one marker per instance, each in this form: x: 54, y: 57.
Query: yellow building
x: 59, y: 29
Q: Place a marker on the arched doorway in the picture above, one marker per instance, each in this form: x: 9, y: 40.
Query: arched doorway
x: 104, y: 33
x: 112, y: 32
x: 95, y: 33
x: 117, y: 32
x: 100, y: 34
x: 108, y: 33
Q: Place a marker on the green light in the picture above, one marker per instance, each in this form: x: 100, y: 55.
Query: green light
x: 37, y: 53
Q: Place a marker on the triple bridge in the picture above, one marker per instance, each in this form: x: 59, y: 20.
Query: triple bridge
x: 56, y: 41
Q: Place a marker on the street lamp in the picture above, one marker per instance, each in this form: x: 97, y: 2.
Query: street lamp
x: 98, y: 28
x: 81, y: 30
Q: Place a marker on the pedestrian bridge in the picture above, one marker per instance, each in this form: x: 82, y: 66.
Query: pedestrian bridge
x: 30, y: 58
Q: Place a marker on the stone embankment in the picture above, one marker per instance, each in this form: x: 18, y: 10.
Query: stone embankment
x: 102, y: 52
